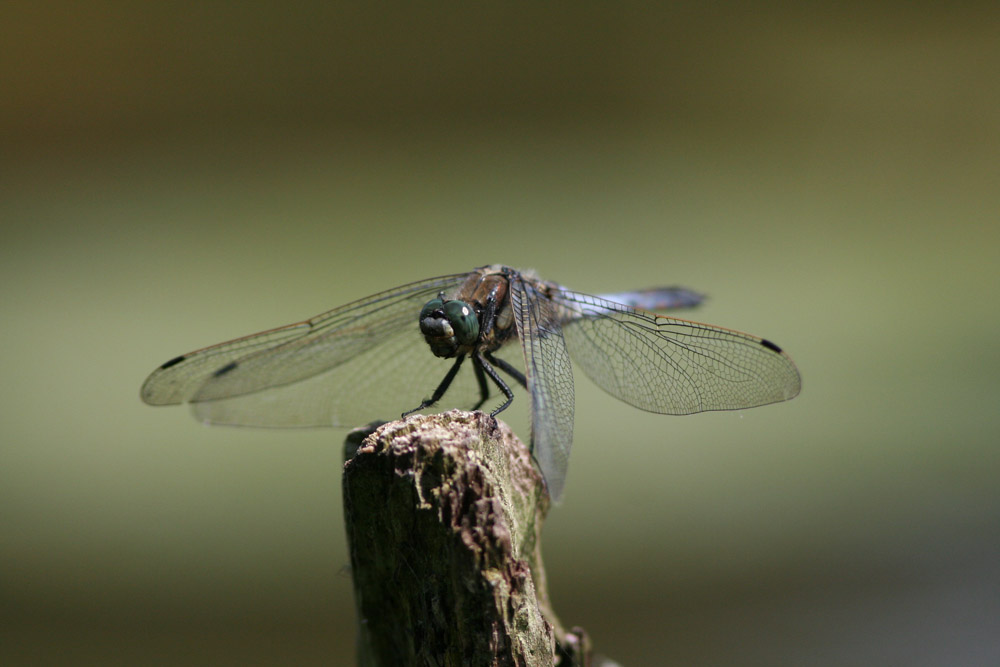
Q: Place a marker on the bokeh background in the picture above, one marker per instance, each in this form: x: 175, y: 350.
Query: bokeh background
x: 177, y: 174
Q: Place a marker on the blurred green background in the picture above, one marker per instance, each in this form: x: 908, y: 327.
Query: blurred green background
x: 176, y: 174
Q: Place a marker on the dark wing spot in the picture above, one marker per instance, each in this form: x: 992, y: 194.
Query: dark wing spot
x: 173, y: 362
x: 225, y: 369
x: 769, y: 345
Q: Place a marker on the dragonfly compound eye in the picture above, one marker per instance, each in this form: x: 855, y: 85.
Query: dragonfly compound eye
x: 463, y: 320
x: 442, y: 325
x: 430, y: 307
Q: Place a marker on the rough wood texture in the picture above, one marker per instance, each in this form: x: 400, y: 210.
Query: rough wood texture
x: 444, y: 515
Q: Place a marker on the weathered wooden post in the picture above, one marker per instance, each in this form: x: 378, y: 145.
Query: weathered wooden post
x: 444, y: 515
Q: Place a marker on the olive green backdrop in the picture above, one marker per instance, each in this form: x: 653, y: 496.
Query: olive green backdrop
x: 176, y: 174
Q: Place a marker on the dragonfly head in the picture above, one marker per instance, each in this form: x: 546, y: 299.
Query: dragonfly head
x: 448, y: 326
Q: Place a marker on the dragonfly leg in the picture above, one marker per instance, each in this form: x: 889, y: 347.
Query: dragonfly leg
x: 441, y: 388
x: 507, y: 368
x: 484, y: 388
x: 481, y: 361
x: 489, y: 315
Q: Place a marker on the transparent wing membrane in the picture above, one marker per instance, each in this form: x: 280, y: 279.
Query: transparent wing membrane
x: 672, y: 366
x: 550, y: 380
x: 290, y: 376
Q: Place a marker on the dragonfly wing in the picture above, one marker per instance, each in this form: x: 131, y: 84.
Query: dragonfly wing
x: 288, y: 377
x: 673, y: 366
x: 550, y: 380
x: 380, y: 382
x: 177, y: 380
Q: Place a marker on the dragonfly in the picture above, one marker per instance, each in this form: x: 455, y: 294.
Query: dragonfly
x: 462, y: 337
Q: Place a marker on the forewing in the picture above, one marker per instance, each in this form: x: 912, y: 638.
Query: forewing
x: 550, y: 380
x: 327, y: 370
x: 177, y: 380
x: 380, y: 382
x: 673, y: 366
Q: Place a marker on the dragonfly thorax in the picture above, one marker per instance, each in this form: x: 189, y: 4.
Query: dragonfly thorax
x: 449, y: 326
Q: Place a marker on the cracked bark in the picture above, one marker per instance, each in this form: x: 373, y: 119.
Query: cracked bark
x: 444, y: 516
